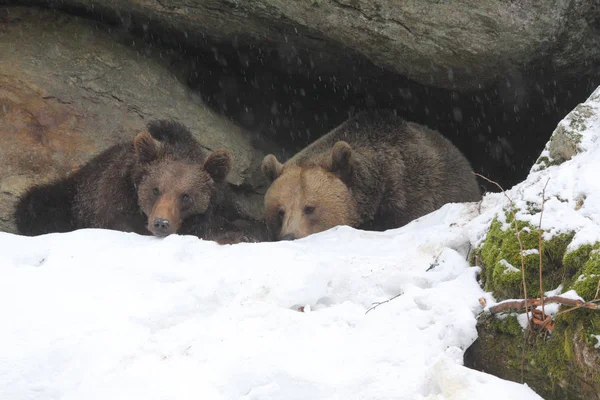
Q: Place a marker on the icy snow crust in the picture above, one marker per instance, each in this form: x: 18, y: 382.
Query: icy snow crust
x: 97, y: 314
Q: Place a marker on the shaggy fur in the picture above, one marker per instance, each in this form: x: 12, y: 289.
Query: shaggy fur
x: 376, y: 171
x: 160, y: 183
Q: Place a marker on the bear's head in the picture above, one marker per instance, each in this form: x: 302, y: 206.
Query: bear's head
x: 312, y: 198
x: 171, y: 189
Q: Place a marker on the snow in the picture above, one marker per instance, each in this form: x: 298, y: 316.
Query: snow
x: 96, y: 314
x: 343, y: 314
x: 509, y: 267
x: 530, y: 252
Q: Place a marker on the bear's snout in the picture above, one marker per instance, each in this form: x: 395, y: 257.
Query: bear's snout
x: 165, y: 217
x: 161, y: 226
x: 289, y: 236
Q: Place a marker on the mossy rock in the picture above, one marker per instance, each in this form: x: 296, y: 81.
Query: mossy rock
x: 562, y: 366
x: 585, y: 262
x: 566, y: 139
x: 501, y: 262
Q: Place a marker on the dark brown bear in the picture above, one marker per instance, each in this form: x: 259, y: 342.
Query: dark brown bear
x: 160, y: 183
x: 376, y: 171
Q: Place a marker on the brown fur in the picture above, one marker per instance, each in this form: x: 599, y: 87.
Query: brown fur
x: 159, y: 183
x: 375, y: 171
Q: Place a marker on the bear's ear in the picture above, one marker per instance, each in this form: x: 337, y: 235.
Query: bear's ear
x: 271, y: 167
x: 341, y: 152
x: 218, y: 164
x: 146, y: 147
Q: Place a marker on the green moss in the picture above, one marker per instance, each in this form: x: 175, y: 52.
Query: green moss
x: 579, y: 118
x: 543, y: 159
x: 586, y: 284
x: 542, y: 163
x: 508, y: 325
x: 561, y: 199
x: 501, y: 262
x: 575, y: 260
x: 583, y: 270
x: 565, y: 364
x: 533, y: 207
x: 553, y: 366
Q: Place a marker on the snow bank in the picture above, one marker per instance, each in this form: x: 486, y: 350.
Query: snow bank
x: 96, y: 314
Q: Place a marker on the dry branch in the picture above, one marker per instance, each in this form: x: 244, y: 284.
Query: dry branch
x: 541, y: 248
x: 518, y: 305
x: 377, y: 304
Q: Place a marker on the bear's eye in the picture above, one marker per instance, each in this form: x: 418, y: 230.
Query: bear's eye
x: 308, y: 210
x: 280, y: 215
x: 156, y: 191
x: 186, y: 198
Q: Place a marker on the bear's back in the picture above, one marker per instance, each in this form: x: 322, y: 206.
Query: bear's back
x: 367, y: 131
x: 436, y: 171
x: 417, y: 168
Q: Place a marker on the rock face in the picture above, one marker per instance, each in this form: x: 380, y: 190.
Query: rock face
x: 69, y: 90
x: 465, y: 44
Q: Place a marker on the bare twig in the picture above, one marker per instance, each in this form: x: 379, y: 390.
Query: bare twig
x: 589, y: 304
x: 592, y: 305
x: 518, y: 305
x: 517, y: 233
x: 469, y: 251
x: 597, y: 289
x: 377, y: 304
x: 541, y: 248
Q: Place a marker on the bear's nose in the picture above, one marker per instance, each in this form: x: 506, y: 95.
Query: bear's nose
x: 289, y: 236
x: 161, y: 226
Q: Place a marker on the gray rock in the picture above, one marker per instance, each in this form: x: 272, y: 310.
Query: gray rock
x: 562, y: 146
x: 460, y: 44
x: 69, y: 90
x: 566, y: 138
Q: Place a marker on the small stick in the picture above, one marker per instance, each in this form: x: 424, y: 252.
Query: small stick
x: 541, y: 248
x: 592, y: 305
x: 377, y: 304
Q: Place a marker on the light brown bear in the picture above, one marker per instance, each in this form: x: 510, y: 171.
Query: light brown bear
x: 375, y: 171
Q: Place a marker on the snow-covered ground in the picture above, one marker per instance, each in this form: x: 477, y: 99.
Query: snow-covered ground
x: 106, y: 315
